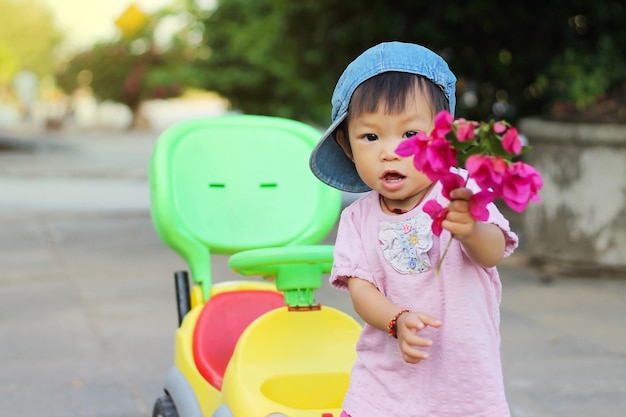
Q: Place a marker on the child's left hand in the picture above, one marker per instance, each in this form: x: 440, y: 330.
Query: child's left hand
x: 459, y: 220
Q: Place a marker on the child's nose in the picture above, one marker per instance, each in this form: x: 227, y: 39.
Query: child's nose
x: 388, y: 151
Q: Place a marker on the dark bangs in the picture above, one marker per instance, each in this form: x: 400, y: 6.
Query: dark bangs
x: 391, y: 90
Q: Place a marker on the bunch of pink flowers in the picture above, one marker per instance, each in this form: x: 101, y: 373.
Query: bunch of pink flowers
x: 487, y: 151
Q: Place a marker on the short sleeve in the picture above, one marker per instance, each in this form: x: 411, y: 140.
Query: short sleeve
x: 510, y: 238
x: 350, y: 259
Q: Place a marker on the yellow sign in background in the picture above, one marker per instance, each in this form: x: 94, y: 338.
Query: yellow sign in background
x: 131, y: 20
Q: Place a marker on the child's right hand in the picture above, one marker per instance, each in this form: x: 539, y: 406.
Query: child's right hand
x: 408, y: 327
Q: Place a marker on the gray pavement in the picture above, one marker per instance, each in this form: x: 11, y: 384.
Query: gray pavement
x: 87, y: 310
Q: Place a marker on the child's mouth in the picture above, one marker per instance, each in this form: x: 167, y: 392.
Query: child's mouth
x: 393, y: 177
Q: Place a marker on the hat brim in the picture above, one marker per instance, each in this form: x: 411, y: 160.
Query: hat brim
x: 332, y: 166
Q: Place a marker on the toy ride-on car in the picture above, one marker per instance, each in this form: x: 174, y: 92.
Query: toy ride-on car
x: 240, y: 186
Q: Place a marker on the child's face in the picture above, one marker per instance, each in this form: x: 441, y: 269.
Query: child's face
x: 374, y: 138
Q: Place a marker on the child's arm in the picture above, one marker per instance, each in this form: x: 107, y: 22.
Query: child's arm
x: 483, y: 242
x: 377, y: 311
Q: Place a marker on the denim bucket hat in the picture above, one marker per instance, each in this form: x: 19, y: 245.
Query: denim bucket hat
x: 328, y: 161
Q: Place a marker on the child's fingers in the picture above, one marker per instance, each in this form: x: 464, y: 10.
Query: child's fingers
x: 429, y: 320
x: 461, y: 194
x: 458, y: 206
x: 411, y: 345
x: 415, y: 340
x: 410, y: 339
x: 412, y: 355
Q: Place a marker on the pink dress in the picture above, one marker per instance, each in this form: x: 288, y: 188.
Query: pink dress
x: 398, y: 254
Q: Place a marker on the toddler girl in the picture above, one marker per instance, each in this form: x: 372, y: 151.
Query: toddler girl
x: 430, y: 345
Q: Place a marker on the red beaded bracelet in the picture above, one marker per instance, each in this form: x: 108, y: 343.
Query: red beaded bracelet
x: 392, y: 326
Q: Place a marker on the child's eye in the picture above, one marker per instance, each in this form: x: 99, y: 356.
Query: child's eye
x: 409, y: 134
x: 370, y: 137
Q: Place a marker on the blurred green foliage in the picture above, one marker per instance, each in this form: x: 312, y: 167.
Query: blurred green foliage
x: 135, y: 67
x: 512, y: 59
x: 123, y: 71
x: 580, y: 77
x: 28, y: 37
x: 283, y: 57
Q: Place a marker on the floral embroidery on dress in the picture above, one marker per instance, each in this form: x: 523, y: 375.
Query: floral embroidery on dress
x: 406, y: 244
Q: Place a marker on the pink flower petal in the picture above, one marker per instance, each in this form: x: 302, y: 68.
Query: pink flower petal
x: 488, y: 172
x: 437, y: 213
x: 522, y: 184
x: 511, y: 141
x: 451, y: 181
x: 443, y: 124
x: 407, y: 147
x: 499, y: 127
x: 465, y: 130
x: 478, y: 205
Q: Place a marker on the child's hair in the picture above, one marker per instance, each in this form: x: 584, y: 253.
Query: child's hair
x: 391, y: 90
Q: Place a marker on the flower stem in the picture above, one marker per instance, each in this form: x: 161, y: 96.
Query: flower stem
x: 449, y: 241
x: 443, y: 256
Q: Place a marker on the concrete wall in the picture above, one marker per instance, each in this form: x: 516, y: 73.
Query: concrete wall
x: 580, y: 224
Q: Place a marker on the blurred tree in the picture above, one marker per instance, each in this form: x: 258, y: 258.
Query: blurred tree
x: 139, y: 65
x: 28, y: 38
x: 283, y: 57
x: 585, y: 79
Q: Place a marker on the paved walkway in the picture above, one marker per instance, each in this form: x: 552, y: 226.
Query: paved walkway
x: 87, y: 307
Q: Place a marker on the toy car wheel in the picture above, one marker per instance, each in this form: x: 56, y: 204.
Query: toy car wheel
x: 164, y: 407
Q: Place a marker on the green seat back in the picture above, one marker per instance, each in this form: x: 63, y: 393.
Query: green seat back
x: 227, y: 184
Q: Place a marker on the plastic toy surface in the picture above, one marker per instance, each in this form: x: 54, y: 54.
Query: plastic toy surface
x: 240, y: 186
